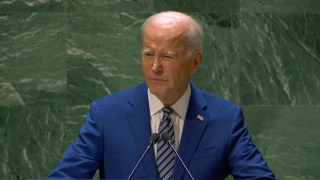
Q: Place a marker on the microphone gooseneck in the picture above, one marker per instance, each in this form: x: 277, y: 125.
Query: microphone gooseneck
x: 167, y: 139
x: 154, y: 138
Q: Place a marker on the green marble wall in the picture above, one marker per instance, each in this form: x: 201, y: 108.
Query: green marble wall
x: 57, y: 56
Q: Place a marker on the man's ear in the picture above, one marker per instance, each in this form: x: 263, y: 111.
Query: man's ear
x: 196, y: 61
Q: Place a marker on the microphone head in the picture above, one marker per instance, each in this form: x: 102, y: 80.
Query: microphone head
x: 154, y: 138
x: 166, y: 137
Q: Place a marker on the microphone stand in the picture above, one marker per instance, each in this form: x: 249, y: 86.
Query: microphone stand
x: 139, y: 162
x: 169, y: 143
x: 153, y: 140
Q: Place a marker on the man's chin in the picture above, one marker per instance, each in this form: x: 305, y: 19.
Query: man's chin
x: 157, y: 91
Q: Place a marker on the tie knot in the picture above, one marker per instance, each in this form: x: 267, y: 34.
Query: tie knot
x: 166, y: 111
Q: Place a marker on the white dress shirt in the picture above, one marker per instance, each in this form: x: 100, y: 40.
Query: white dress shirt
x: 178, y: 115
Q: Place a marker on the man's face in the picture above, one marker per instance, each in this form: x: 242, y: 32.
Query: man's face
x: 165, y: 62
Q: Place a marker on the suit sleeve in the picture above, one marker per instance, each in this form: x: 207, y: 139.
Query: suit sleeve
x: 84, y: 156
x: 246, y: 162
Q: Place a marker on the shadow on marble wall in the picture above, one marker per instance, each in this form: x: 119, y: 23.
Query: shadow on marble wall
x: 59, y: 56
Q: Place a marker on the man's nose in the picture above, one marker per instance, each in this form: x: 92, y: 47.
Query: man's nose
x: 157, y: 66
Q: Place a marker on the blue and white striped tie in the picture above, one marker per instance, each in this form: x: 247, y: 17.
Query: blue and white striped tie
x: 165, y: 155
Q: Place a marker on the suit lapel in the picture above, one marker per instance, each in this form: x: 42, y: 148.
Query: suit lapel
x: 192, y: 131
x: 139, y: 120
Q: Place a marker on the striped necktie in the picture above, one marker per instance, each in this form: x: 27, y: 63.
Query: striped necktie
x: 165, y: 155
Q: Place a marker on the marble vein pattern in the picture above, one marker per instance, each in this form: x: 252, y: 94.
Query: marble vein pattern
x: 57, y: 56
x: 280, y: 6
x: 279, y: 59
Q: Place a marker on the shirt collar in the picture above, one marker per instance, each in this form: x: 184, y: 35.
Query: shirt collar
x: 180, y: 106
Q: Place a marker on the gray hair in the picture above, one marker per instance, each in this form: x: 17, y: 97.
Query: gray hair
x: 194, y: 32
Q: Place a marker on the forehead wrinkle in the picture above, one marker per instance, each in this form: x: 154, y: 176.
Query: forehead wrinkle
x: 173, y: 36
x: 175, y: 32
x: 157, y: 37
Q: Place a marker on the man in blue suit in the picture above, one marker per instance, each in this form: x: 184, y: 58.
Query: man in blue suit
x: 208, y: 131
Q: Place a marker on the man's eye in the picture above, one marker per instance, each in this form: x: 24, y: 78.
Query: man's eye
x: 168, y: 57
x: 149, y: 54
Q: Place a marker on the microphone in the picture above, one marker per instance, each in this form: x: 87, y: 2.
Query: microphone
x: 153, y: 140
x: 167, y: 139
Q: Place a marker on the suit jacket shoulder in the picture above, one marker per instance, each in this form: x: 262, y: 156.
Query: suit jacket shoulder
x: 121, y: 98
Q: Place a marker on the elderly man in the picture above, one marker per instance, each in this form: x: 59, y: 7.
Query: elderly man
x: 208, y: 131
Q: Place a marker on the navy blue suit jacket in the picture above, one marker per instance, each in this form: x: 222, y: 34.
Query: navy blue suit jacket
x: 117, y: 132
